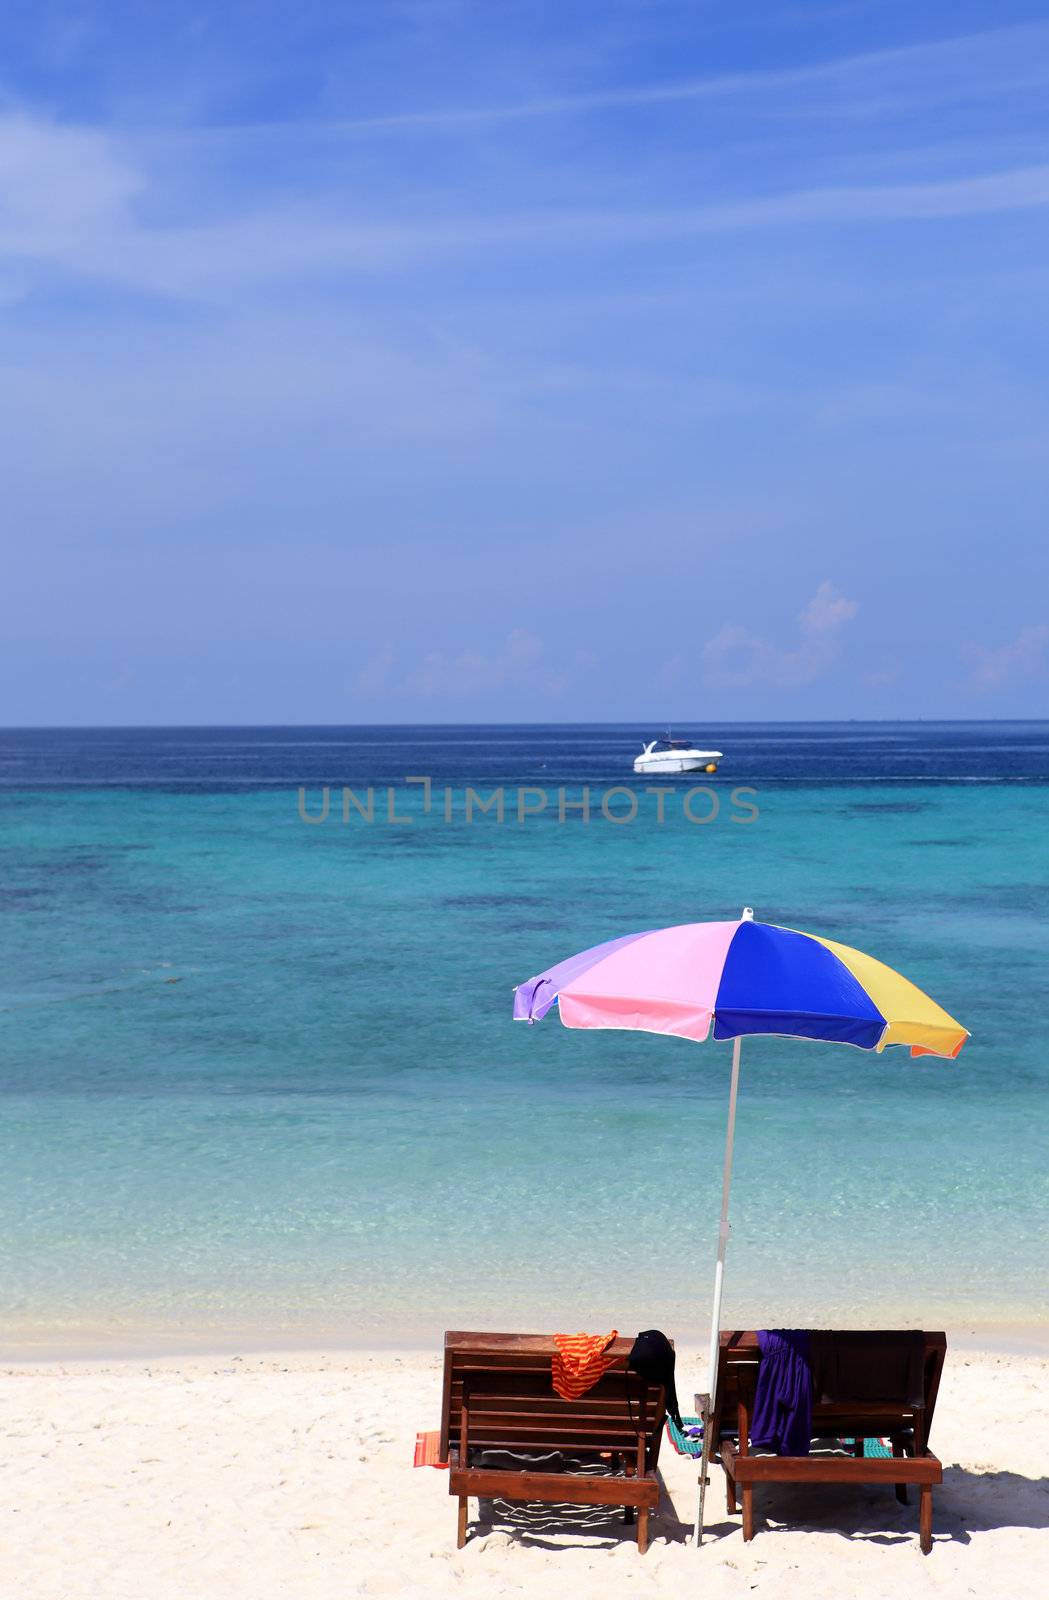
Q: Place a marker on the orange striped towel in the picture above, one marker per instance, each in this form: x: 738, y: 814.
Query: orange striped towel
x: 580, y: 1361
x: 428, y: 1450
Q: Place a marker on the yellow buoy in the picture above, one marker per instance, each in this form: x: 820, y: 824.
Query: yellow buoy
x: 711, y: 766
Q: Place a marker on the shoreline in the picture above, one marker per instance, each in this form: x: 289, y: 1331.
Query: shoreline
x: 154, y: 1346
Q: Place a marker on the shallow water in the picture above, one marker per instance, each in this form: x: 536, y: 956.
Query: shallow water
x: 260, y: 1075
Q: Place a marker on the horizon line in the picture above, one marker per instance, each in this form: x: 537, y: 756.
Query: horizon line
x: 575, y: 722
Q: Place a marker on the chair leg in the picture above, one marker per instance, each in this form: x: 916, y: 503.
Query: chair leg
x: 628, y: 1511
x: 901, y: 1488
x: 857, y: 1447
x: 925, y: 1518
x: 642, y: 1530
x: 748, y: 1511
x: 730, y: 1495
x: 464, y: 1507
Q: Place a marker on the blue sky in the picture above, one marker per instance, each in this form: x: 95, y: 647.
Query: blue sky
x: 446, y: 361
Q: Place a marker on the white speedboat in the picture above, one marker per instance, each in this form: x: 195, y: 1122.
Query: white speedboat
x: 675, y: 755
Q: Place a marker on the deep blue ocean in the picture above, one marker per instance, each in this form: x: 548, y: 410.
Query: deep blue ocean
x: 260, y: 1080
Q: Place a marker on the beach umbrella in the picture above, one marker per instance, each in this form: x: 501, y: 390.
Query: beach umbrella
x: 739, y: 978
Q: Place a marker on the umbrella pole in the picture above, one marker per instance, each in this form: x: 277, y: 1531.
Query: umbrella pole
x: 719, y: 1278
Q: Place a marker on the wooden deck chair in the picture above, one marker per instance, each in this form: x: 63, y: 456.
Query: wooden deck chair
x: 906, y: 1425
x: 499, y: 1397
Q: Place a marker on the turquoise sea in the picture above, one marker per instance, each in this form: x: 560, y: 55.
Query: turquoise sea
x: 260, y: 1080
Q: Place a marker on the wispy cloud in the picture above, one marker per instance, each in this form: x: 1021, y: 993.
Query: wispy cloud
x: 70, y: 200
x: 981, y: 65
x: 883, y: 677
x: 737, y: 659
x: 994, y: 666
x: 521, y: 663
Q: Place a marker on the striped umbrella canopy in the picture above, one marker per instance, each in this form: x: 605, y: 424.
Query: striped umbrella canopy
x: 739, y: 978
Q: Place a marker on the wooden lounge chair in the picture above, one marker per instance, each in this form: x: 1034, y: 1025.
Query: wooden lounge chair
x: 907, y: 1426
x: 498, y: 1396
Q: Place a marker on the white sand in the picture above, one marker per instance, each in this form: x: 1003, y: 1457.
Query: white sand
x: 291, y: 1476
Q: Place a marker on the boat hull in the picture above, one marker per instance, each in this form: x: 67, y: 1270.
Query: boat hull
x: 671, y: 764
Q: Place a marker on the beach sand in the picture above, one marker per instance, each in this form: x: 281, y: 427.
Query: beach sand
x: 262, y: 1476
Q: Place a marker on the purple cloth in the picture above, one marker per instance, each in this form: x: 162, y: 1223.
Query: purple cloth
x: 782, y: 1418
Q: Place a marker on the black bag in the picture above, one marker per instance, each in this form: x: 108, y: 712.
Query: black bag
x: 652, y: 1358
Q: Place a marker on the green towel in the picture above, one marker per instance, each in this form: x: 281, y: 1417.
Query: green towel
x: 686, y: 1446
x: 871, y: 1447
x: 679, y: 1437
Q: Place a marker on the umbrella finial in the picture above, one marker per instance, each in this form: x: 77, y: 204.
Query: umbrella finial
x: 748, y: 914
